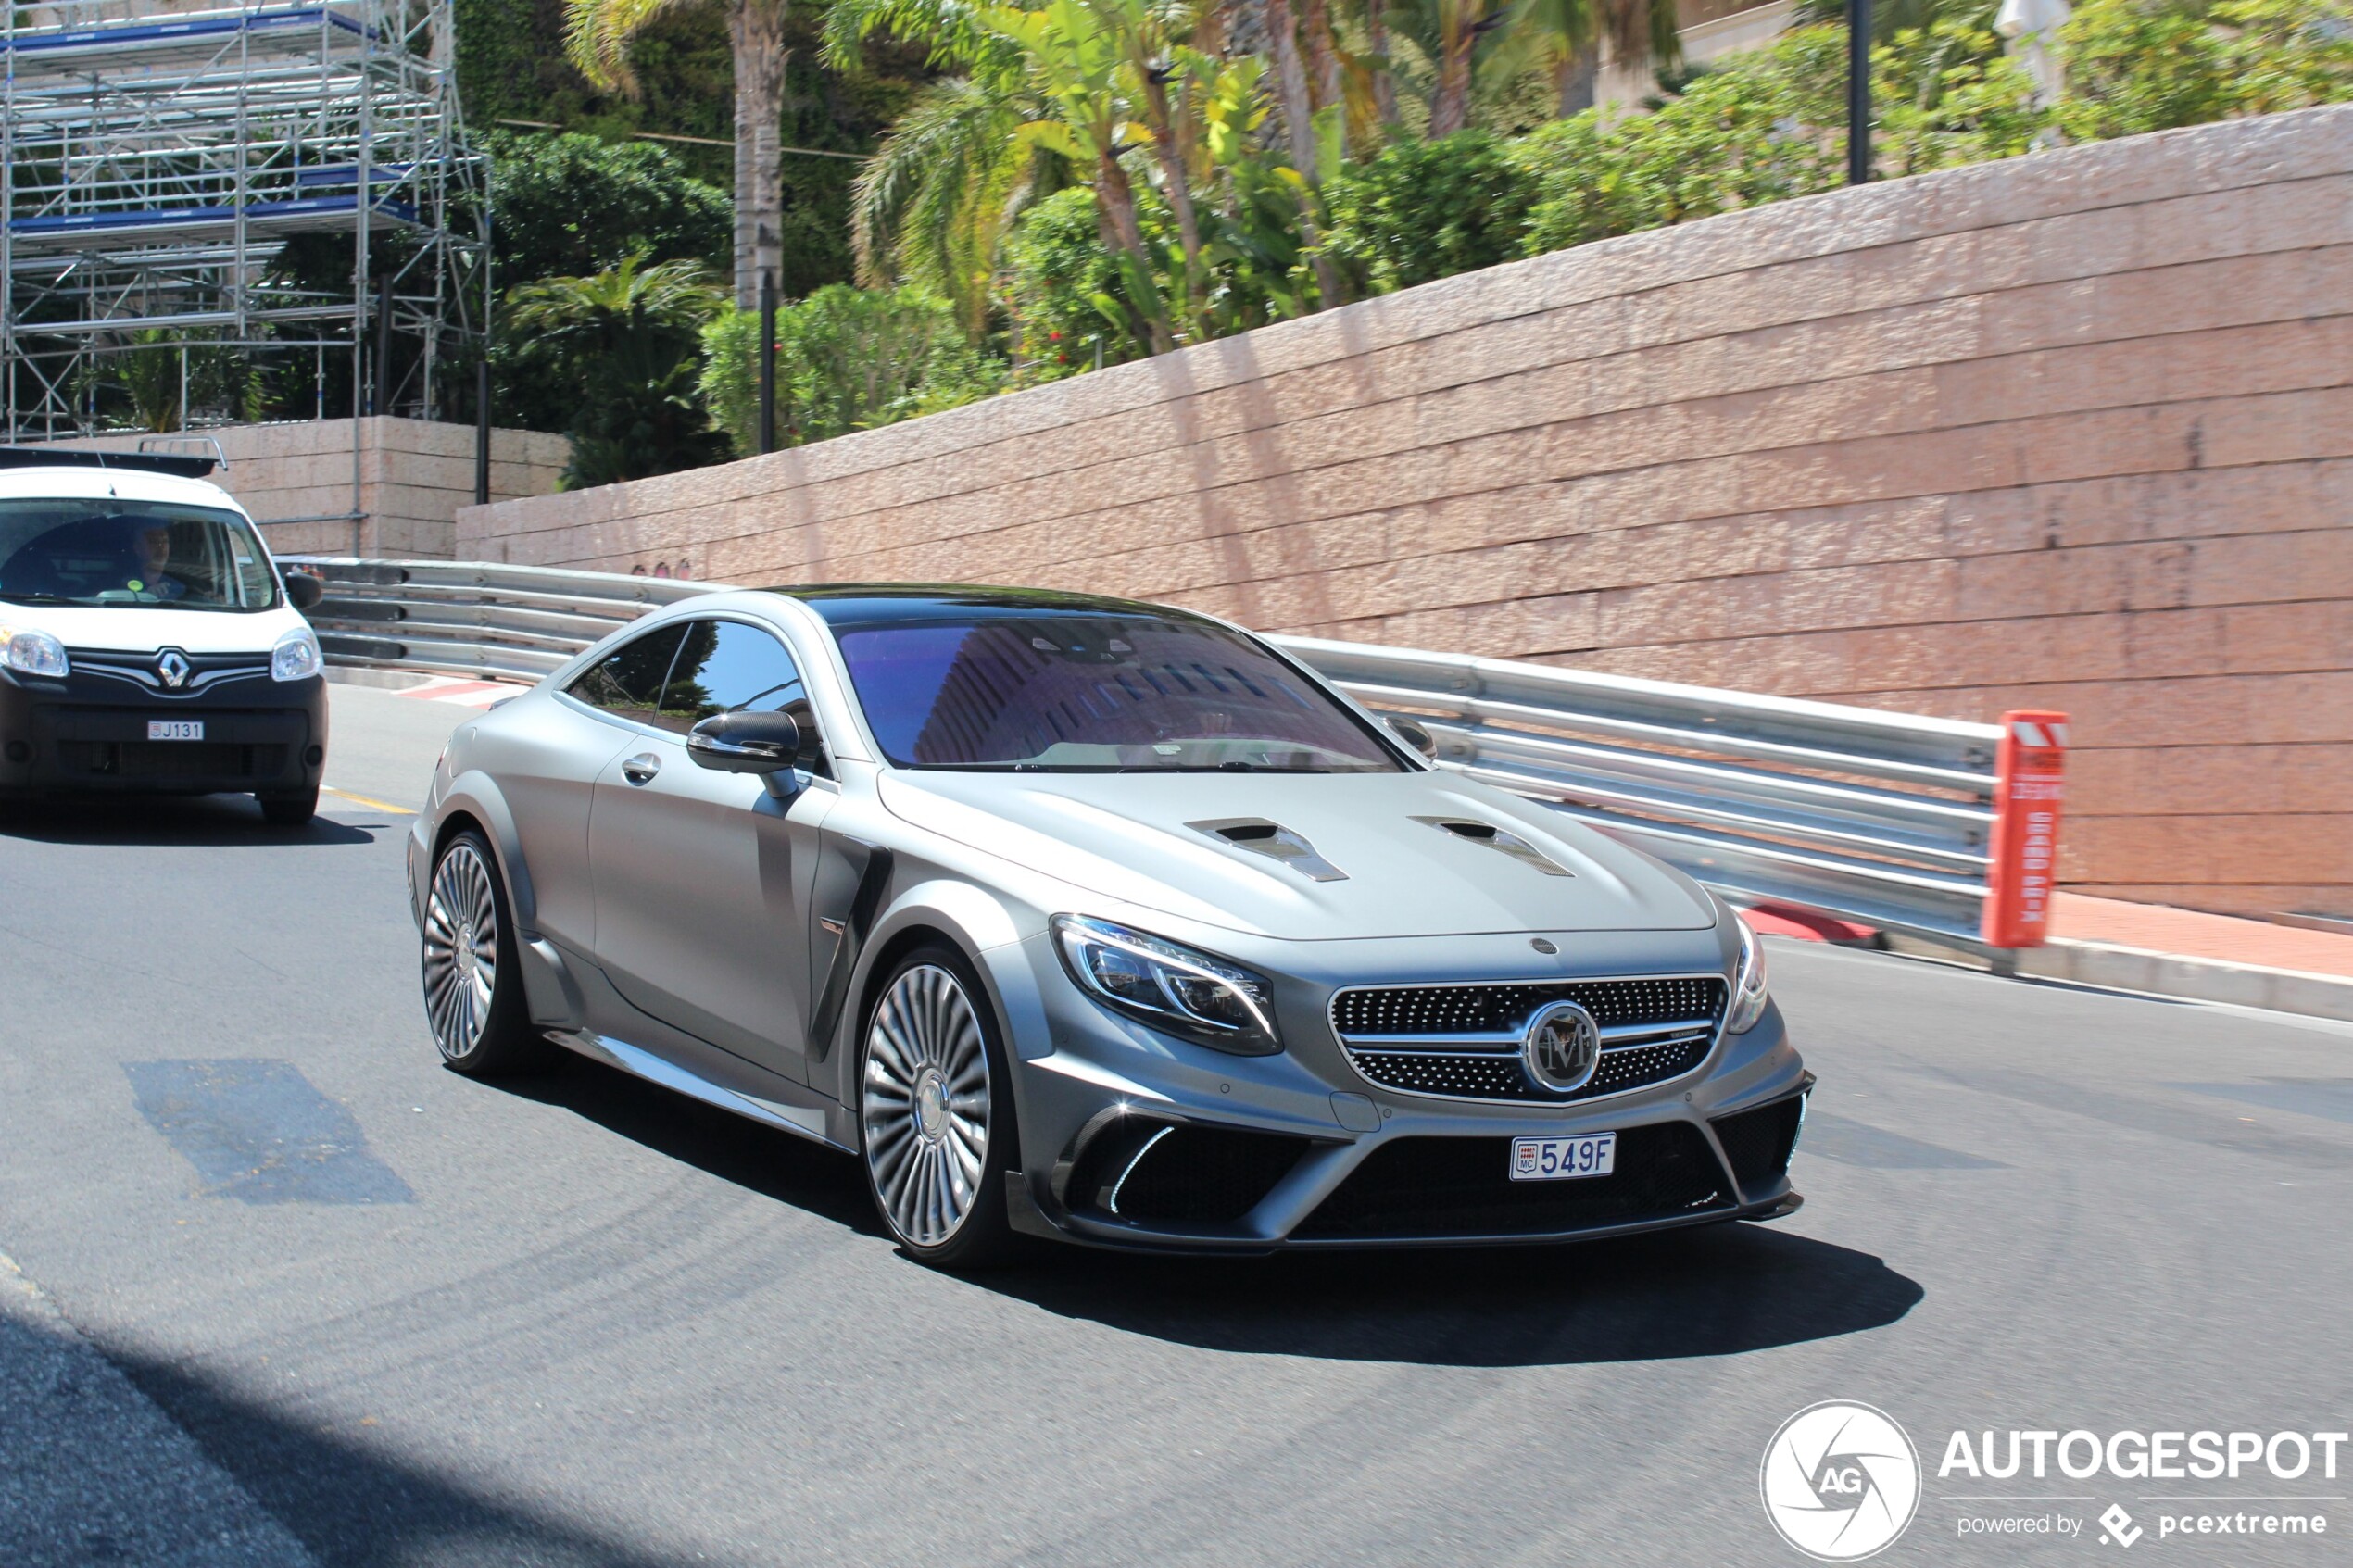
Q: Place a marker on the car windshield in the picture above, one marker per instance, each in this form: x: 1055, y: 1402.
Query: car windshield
x: 1052, y: 690
x: 122, y: 554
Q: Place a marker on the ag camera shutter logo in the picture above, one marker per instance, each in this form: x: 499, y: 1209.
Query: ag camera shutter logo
x: 1840, y: 1481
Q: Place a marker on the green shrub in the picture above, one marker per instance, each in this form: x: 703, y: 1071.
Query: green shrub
x: 1064, y: 293
x: 846, y: 359
x: 1418, y: 210
x: 569, y: 205
x: 1770, y: 124
x: 2152, y: 64
x: 1064, y: 288
x: 1738, y: 137
x: 625, y: 340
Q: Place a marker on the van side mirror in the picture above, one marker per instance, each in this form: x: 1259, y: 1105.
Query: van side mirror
x: 303, y: 591
x: 1412, y: 735
x: 746, y: 742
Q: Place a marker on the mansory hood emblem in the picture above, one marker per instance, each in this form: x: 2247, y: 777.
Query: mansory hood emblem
x: 1563, y: 1047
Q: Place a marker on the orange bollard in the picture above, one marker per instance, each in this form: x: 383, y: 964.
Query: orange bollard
x: 2029, y: 787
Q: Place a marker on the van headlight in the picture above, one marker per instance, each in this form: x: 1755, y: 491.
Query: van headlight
x: 296, y: 657
x: 1190, y: 994
x: 1749, y: 995
x: 34, y: 653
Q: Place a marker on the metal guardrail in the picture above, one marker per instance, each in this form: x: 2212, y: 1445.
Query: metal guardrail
x: 1886, y: 819
x: 468, y: 618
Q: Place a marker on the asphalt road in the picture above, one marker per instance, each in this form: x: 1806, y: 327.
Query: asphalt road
x: 579, y: 1320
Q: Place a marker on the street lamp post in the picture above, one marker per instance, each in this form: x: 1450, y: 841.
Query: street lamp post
x: 1858, y: 91
x: 768, y: 362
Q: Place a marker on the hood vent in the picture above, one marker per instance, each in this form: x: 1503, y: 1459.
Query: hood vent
x: 1276, y: 842
x: 1474, y: 832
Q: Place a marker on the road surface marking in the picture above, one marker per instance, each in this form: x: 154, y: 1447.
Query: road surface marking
x: 370, y: 804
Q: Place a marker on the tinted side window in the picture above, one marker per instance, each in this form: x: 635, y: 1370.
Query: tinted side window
x: 628, y: 683
x: 726, y: 666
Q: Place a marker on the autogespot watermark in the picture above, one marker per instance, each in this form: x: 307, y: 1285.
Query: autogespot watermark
x: 2233, y: 1459
x: 1842, y: 1481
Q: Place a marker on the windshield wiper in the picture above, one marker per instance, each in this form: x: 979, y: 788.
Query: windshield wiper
x: 16, y: 598
x: 1215, y: 768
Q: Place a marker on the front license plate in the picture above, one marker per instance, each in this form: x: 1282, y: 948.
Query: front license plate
x: 175, y: 729
x: 1558, y: 1159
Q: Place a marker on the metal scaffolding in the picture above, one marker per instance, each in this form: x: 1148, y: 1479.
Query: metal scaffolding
x: 156, y: 158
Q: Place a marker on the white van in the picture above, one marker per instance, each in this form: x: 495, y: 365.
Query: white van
x: 147, y: 642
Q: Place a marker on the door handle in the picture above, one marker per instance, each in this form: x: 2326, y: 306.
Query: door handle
x: 641, y: 768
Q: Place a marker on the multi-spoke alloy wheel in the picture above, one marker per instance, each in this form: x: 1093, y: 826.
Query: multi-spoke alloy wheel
x: 461, y: 950
x: 925, y: 1112
x: 472, y: 999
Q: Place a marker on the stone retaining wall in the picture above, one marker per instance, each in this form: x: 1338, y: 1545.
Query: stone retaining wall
x: 2070, y: 431
x: 409, y: 480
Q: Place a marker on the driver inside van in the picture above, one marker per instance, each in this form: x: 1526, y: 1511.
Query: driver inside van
x: 155, y: 550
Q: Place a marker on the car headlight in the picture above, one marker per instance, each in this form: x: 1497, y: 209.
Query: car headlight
x: 296, y: 657
x: 1188, y: 993
x: 1749, y: 995
x: 34, y: 653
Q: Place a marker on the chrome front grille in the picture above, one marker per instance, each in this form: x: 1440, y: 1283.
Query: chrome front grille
x: 205, y: 671
x: 1463, y: 1042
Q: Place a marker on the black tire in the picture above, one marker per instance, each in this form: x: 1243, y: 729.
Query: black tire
x: 479, y: 1023
x: 889, y: 1059
x: 289, y: 810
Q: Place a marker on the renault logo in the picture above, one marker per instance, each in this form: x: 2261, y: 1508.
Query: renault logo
x: 1564, y: 1045
x: 172, y: 666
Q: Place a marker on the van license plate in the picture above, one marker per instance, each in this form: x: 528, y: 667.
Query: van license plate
x: 175, y: 729
x: 1558, y: 1159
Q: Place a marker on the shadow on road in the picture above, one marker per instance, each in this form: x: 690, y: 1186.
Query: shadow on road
x: 352, y: 1504
x: 1716, y: 1291
x: 167, y: 822
x: 759, y: 1159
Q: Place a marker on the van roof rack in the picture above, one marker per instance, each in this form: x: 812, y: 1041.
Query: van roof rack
x: 185, y: 465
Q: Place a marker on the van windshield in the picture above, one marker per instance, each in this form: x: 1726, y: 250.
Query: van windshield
x: 101, y: 551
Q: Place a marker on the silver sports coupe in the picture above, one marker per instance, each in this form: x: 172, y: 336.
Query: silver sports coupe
x: 1097, y: 920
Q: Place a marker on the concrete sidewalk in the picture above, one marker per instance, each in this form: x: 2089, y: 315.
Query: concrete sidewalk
x: 2206, y: 958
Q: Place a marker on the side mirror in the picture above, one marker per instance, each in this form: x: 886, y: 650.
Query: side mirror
x: 303, y: 591
x: 746, y: 742
x: 1412, y: 735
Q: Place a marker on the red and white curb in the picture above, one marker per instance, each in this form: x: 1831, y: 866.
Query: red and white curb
x: 464, y: 693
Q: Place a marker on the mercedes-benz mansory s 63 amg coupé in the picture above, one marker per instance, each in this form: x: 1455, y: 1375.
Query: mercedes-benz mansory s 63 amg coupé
x: 1092, y: 919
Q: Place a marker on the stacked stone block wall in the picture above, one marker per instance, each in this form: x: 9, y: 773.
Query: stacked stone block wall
x: 412, y: 477
x: 2070, y: 431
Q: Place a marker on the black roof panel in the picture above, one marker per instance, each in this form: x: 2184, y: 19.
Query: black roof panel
x: 872, y: 604
x: 180, y: 464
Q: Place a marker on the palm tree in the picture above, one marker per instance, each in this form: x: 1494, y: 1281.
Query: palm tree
x: 1566, y: 37
x: 596, y: 37
x: 936, y: 202
x: 1451, y: 33
x: 630, y: 338
x: 1044, y: 97
x: 1077, y: 56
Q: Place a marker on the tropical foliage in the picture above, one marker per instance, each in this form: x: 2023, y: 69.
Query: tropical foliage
x: 596, y: 37
x: 846, y: 359
x: 628, y: 341
x: 2142, y: 65
x: 1077, y: 183
x: 161, y: 381
x: 570, y: 204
